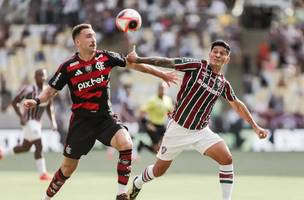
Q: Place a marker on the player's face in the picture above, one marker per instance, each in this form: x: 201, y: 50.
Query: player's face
x: 218, y: 56
x: 41, y: 76
x: 86, y: 40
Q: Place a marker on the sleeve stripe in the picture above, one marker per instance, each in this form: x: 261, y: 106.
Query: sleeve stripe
x: 188, y: 66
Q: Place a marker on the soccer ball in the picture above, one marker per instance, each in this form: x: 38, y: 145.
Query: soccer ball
x: 128, y: 20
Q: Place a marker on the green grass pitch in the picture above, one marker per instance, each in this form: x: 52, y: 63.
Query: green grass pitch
x: 258, y: 176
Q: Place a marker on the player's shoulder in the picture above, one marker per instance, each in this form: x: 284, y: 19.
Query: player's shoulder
x: 70, y: 61
x: 110, y: 53
x: 27, y: 89
x: 204, y: 62
x: 187, y: 60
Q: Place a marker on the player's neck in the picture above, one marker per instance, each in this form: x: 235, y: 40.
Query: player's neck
x: 85, y: 56
x: 216, y: 69
x: 40, y: 86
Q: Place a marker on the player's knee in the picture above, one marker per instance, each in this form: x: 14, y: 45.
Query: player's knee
x: 26, y: 148
x: 125, y: 145
x: 226, y: 160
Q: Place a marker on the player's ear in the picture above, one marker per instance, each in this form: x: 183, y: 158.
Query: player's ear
x: 76, y: 41
x: 227, y: 59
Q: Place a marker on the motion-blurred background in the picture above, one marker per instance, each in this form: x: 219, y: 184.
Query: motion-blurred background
x: 266, y: 72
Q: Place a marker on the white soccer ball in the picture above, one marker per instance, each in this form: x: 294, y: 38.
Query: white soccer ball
x: 128, y: 20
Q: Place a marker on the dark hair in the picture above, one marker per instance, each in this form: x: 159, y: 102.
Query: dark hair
x: 78, y: 28
x: 221, y: 43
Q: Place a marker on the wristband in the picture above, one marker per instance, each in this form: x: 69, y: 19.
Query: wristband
x: 37, y: 101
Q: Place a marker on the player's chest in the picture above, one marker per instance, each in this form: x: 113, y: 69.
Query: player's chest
x: 88, y: 75
x: 208, y: 82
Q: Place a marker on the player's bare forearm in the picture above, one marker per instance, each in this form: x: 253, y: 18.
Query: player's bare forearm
x: 157, y: 61
x: 146, y: 69
x: 47, y: 94
x: 243, y: 111
x: 168, y: 77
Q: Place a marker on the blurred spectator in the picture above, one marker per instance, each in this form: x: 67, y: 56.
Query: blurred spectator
x: 5, y: 94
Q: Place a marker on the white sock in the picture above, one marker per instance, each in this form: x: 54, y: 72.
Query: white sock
x: 226, y: 180
x: 145, y: 177
x: 122, y: 189
x: 40, y: 164
x: 46, y: 197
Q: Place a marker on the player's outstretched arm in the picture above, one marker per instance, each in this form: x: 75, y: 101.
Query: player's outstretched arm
x: 44, y: 96
x: 168, y: 77
x: 243, y: 111
x: 16, y: 105
x: 132, y: 57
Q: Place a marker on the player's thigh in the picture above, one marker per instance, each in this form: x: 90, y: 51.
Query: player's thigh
x: 38, y: 144
x: 207, y: 138
x: 176, y: 139
x: 80, y: 139
x: 27, y: 144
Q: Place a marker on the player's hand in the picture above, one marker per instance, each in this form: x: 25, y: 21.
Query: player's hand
x: 29, y: 103
x: 170, y: 77
x: 132, y: 56
x: 261, y: 133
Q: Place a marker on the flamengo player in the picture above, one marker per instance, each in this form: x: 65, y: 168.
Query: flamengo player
x: 202, y: 84
x: 31, y: 124
x: 87, y: 75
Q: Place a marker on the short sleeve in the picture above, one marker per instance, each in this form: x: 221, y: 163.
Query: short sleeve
x: 59, y: 79
x: 116, y: 59
x: 228, y: 92
x: 187, y: 64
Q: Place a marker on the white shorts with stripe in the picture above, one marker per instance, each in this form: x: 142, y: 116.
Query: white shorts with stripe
x: 178, y: 138
x: 32, y: 130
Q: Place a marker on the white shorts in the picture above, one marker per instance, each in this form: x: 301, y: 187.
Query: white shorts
x: 178, y: 138
x: 32, y: 130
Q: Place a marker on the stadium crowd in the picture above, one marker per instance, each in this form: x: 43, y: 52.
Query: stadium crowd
x: 36, y: 34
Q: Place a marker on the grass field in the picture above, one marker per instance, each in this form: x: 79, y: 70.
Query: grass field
x: 259, y: 176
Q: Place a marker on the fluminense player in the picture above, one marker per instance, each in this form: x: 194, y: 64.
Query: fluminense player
x: 30, y: 121
x: 203, y: 82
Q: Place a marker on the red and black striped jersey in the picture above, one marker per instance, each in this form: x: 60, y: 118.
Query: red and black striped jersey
x: 31, y: 92
x: 198, y: 93
x: 88, y: 81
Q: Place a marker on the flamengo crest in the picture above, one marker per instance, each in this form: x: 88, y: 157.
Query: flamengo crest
x: 100, y: 66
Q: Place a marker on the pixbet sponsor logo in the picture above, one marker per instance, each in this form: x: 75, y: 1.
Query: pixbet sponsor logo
x: 90, y: 83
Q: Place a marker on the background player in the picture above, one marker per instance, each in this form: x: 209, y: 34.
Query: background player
x: 30, y: 121
x: 202, y: 84
x: 87, y: 74
x: 154, y: 117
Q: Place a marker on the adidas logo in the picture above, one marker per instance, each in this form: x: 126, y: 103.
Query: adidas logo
x: 78, y: 72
